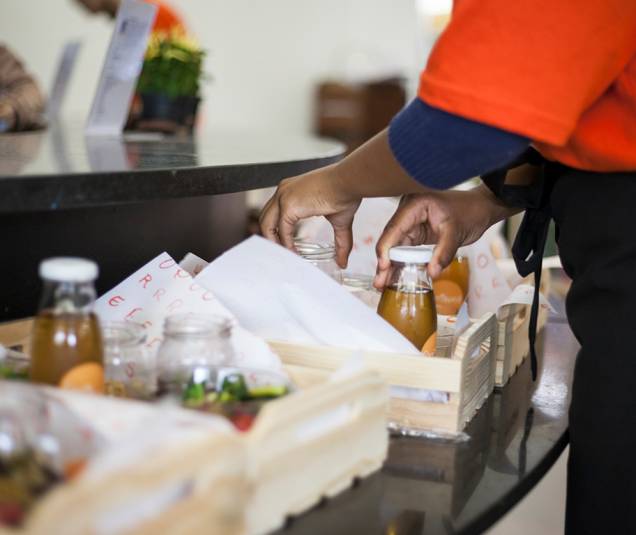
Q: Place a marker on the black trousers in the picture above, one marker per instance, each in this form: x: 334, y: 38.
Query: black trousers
x: 595, y: 216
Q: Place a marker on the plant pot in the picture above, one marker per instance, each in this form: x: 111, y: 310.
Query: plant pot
x: 164, y: 110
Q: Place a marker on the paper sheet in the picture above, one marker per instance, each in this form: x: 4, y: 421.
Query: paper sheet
x: 193, y: 264
x: 279, y: 296
x: 121, y: 68
x: 524, y: 295
x: 488, y: 287
x: 161, y: 288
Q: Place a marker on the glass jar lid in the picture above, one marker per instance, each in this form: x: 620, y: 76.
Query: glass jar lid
x: 197, y: 326
x: 408, y: 254
x: 68, y: 269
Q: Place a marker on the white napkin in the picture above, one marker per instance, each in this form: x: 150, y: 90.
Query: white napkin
x: 161, y: 288
x: 279, y: 296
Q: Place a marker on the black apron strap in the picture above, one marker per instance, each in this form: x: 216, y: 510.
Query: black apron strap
x: 527, y: 252
x: 532, y: 235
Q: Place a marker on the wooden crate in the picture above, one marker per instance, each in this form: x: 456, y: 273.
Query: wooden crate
x: 513, y: 346
x: 173, y: 490
x: 468, y: 376
x: 314, y: 444
x: 308, y: 445
x: 514, y: 321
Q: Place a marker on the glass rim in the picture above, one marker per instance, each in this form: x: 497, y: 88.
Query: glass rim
x: 133, y: 333
x: 196, y: 325
x: 315, y: 251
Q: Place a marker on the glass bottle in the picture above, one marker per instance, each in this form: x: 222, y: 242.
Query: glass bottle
x: 194, y: 346
x: 407, y: 301
x: 451, y: 287
x: 130, y: 368
x: 66, y: 340
x: 321, y: 255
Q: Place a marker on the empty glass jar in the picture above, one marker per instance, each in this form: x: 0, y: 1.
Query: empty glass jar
x: 321, y: 255
x: 130, y: 368
x: 194, y: 346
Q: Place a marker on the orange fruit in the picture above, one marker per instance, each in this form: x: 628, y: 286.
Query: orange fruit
x: 74, y: 468
x: 430, y: 345
x: 88, y: 376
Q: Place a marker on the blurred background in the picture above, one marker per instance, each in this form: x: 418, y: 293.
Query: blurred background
x: 266, y: 59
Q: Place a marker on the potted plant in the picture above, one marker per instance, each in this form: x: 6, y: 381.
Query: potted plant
x: 169, y: 83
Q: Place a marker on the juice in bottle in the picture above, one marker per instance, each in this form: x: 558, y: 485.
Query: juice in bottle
x: 451, y: 287
x: 66, y: 348
x: 408, y: 302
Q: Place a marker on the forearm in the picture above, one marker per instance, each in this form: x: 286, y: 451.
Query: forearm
x: 372, y: 171
x: 424, y: 149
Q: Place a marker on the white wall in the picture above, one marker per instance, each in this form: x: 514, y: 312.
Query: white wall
x: 265, y: 55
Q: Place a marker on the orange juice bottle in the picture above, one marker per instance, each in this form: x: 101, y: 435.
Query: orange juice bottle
x: 451, y: 287
x: 408, y: 302
x: 66, y: 345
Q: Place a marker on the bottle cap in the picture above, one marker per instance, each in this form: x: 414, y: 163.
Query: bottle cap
x: 409, y: 254
x: 68, y: 269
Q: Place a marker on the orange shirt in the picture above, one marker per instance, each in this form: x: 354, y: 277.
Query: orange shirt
x: 560, y: 72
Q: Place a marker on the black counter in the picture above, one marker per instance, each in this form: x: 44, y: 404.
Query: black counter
x: 122, y: 201
x: 432, y: 486
x: 60, y: 168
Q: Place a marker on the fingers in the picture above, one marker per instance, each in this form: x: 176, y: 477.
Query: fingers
x: 278, y: 219
x: 408, y: 215
x: 268, y: 219
x: 445, y: 250
x: 287, y: 227
x: 343, y: 239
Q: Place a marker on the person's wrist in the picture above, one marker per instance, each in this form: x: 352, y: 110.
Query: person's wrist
x: 494, y: 210
x: 344, y: 187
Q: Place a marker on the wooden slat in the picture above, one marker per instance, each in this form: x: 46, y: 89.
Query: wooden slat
x: 432, y: 373
x: 330, y: 433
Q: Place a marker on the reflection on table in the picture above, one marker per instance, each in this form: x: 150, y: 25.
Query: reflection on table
x: 437, y: 486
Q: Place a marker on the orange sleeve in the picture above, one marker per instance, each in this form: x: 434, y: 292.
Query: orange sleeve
x: 531, y: 67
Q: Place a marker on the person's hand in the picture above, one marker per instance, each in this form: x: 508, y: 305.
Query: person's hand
x: 317, y: 193
x: 7, y: 116
x: 449, y: 219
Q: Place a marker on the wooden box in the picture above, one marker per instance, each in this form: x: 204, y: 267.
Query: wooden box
x: 141, y: 487
x: 514, y: 321
x: 310, y: 444
x: 513, y: 346
x: 467, y: 376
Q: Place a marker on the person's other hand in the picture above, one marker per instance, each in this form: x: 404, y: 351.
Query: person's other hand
x: 448, y: 219
x: 317, y: 193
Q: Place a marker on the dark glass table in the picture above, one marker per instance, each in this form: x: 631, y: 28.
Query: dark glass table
x: 122, y: 201
x: 60, y: 168
x: 431, y: 486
